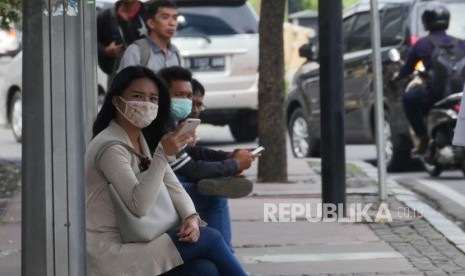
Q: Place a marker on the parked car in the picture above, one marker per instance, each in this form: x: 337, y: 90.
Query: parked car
x: 400, y: 28
x: 104, y: 4
x: 218, y: 41
x: 11, y: 95
x: 10, y: 40
x: 306, y: 18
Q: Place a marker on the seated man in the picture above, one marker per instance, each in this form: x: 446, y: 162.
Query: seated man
x: 195, y: 163
x: 204, y: 171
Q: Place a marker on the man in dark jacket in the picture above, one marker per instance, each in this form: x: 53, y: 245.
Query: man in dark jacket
x: 199, y: 163
x: 214, y: 171
x: 118, y: 27
x: 418, y: 102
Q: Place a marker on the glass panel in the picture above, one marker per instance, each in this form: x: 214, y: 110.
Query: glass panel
x: 220, y: 20
x: 346, y: 27
x: 360, y: 38
x: 392, y: 25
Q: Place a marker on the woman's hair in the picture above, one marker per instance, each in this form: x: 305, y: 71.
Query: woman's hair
x: 120, y: 83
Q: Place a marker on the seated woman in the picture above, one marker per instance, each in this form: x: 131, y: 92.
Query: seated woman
x: 138, y: 99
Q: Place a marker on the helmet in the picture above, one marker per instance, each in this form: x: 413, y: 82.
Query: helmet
x: 435, y: 17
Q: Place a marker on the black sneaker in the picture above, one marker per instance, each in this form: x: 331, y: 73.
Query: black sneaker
x: 231, y: 187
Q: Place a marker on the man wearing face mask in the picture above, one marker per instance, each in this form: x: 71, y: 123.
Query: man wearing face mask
x: 193, y: 163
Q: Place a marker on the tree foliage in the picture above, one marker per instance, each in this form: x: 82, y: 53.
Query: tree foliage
x: 10, y: 12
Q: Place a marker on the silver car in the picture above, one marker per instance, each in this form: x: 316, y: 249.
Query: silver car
x: 10, y: 41
x: 11, y: 95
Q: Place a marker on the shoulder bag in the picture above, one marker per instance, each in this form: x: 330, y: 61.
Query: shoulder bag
x: 160, y: 218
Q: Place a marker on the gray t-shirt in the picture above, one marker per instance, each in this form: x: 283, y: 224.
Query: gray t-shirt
x: 157, y: 60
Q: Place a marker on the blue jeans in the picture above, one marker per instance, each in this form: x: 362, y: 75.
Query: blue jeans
x: 417, y: 103
x: 212, y: 247
x: 198, y: 267
x: 213, y: 209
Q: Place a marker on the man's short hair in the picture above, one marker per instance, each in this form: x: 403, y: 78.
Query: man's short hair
x: 154, y: 5
x: 174, y: 73
x: 197, y: 87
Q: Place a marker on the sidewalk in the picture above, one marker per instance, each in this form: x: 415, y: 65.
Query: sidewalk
x: 409, y: 245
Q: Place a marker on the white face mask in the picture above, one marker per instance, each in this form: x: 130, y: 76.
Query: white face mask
x: 139, y: 113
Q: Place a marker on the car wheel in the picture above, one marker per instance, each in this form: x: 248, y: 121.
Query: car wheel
x: 299, y: 131
x: 244, y: 128
x: 16, y: 115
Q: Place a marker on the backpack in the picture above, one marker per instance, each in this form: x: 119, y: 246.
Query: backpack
x: 446, y: 75
x: 144, y: 51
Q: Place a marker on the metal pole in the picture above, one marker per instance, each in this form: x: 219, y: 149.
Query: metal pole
x: 379, y: 105
x: 89, y: 97
x: 54, y: 138
x: 332, y: 103
x: 37, y: 254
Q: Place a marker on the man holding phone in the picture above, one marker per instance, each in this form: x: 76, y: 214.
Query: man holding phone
x: 195, y: 164
x: 118, y: 27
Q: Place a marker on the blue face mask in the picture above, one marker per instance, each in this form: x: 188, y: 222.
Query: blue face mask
x: 180, y: 108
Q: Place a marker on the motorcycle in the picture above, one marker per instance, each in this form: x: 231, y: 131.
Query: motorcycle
x: 441, y: 120
x: 441, y: 154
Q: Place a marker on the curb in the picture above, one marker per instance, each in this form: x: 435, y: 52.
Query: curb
x: 443, y: 225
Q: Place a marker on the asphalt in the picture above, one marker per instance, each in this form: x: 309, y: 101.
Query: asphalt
x: 418, y: 240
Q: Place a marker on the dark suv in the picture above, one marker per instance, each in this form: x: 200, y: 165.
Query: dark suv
x: 400, y: 27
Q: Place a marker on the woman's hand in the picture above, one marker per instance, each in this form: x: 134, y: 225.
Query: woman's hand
x: 189, y: 232
x: 194, y: 140
x: 173, y: 142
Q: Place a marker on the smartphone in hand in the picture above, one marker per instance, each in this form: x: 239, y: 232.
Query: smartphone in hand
x: 257, y: 150
x: 191, y: 124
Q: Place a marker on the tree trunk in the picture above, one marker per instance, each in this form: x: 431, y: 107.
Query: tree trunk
x: 272, y: 166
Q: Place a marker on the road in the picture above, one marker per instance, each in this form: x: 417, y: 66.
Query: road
x: 446, y: 193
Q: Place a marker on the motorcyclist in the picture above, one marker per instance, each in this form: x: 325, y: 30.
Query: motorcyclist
x: 418, y: 102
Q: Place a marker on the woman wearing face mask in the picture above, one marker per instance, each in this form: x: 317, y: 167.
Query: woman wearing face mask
x: 138, y: 99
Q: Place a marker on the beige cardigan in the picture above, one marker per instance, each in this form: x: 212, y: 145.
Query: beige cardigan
x: 106, y: 254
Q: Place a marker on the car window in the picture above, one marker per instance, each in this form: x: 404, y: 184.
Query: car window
x: 103, y: 5
x: 392, y: 25
x: 346, y: 28
x: 192, y: 24
x: 359, y: 37
x: 216, y: 20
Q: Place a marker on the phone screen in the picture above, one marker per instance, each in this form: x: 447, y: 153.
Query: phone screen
x: 190, y: 124
x: 258, y: 150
